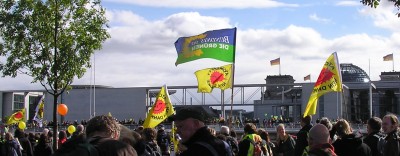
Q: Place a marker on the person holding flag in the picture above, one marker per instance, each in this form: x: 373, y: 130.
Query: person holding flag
x: 329, y: 80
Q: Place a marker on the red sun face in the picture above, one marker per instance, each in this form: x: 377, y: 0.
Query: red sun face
x: 159, y: 107
x: 216, y: 76
x: 18, y: 116
x: 325, y: 75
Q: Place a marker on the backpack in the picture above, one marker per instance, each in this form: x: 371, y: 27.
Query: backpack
x: 151, y: 149
x: 258, y: 149
x: 74, y: 148
x: 233, y: 144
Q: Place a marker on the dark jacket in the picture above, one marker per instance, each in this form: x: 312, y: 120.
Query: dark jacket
x: 204, y: 136
x: 391, y: 147
x: 286, y: 147
x: 349, y: 145
x: 372, y: 141
x: 42, y: 149
x: 301, y: 141
x: 26, y: 145
x: 8, y: 145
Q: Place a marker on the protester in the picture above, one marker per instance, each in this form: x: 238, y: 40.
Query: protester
x: 225, y: 131
x: 390, y: 124
x: 149, y: 136
x: 195, y: 136
x: 249, y: 141
x: 26, y: 146
x: 319, y: 141
x: 269, y: 146
x: 43, y: 148
x: 103, y: 132
x: 327, y: 123
x: 301, y: 141
x: 374, y: 135
x: 131, y: 137
x: 347, y: 144
x: 285, y: 143
x: 62, y: 138
x: 163, y: 140
x: 11, y: 147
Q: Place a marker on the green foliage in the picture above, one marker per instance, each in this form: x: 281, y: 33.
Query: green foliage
x: 50, y: 40
x: 375, y: 3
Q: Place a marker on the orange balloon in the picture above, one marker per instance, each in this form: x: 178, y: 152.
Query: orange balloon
x: 62, y: 109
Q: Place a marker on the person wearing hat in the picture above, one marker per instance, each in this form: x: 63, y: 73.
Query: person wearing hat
x: 199, y: 141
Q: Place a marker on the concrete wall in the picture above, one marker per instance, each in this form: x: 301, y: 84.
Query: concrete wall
x: 122, y: 103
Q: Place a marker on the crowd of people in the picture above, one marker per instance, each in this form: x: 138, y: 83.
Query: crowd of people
x: 105, y: 136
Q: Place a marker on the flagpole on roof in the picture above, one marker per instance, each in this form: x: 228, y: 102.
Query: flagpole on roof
x: 233, y: 80
x: 279, y: 65
x: 393, y: 61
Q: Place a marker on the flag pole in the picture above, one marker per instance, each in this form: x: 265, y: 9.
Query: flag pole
x: 393, y: 61
x: 279, y: 65
x: 233, y: 81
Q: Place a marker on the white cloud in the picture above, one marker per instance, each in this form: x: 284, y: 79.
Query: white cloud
x: 208, y: 4
x: 315, y: 17
x: 142, y: 53
x: 348, y: 3
x: 384, y: 16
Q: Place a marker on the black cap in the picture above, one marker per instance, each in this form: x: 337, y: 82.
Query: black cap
x: 186, y: 113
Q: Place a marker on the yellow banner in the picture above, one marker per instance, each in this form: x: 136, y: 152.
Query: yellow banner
x: 329, y: 80
x: 218, y: 77
x: 161, y: 109
x: 16, y: 117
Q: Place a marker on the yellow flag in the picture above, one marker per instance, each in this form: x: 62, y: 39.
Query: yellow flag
x: 174, y: 140
x: 218, y: 77
x: 16, y: 117
x: 161, y: 109
x: 329, y: 80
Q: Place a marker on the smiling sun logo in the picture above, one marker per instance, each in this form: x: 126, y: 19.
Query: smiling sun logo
x: 159, y: 106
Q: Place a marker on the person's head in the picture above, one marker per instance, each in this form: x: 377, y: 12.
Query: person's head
x: 343, y: 127
x: 19, y: 133
x: 8, y: 136
x: 80, y: 129
x: 62, y: 135
x: 263, y: 134
x: 224, y: 130
x: 374, y: 124
x: 250, y: 128
x: 104, y: 126
x: 318, y: 135
x: 188, y: 121
x: 149, y: 134
x: 390, y: 123
x: 305, y: 120
x: 280, y: 129
x: 325, y: 121
x: 232, y: 133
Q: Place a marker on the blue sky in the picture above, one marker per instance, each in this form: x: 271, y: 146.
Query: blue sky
x: 303, y: 33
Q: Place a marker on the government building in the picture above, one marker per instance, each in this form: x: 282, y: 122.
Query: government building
x: 279, y: 96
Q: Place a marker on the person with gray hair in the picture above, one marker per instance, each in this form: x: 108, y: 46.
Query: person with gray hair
x: 233, y: 143
x: 326, y: 122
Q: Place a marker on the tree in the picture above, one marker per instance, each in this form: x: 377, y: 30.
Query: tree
x: 50, y: 40
x: 375, y: 3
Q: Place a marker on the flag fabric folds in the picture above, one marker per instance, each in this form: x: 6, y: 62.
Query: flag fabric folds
x: 218, y: 77
x: 215, y: 44
x: 329, y: 80
x: 276, y: 61
x: 161, y: 109
x: 174, y: 140
x: 39, y: 112
x: 16, y: 117
x: 308, y: 77
x: 388, y: 57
